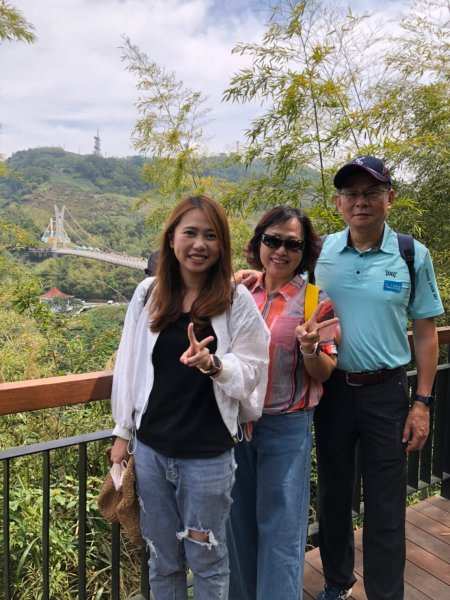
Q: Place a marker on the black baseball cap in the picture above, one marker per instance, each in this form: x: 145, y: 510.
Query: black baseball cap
x: 368, y: 164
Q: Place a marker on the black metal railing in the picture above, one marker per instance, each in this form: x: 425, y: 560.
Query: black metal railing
x: 7, y: 458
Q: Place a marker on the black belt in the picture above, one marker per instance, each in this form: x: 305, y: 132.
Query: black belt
x: 367, y: 377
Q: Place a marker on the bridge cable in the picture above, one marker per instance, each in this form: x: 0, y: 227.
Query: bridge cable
x: 89, y: 235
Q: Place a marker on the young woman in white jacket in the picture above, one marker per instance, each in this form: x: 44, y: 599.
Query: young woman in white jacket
x: 191, y: 364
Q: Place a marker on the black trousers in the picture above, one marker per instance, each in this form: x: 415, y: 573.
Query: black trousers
x: 374, y: 416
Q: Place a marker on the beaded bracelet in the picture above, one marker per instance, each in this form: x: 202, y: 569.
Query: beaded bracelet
x: 313, y: 354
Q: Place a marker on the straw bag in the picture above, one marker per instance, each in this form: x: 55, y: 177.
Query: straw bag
x: 118, y: 502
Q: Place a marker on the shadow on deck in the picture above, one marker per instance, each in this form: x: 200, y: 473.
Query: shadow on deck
x: 427, y: 573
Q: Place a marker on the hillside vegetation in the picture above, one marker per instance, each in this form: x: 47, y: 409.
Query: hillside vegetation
x: 101, y: 193
x: 104, y: 209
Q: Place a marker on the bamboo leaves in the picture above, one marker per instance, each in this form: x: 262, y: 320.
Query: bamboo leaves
x: 169, y: 128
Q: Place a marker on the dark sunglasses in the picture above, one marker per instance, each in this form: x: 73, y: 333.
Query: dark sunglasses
x: 274, y: 242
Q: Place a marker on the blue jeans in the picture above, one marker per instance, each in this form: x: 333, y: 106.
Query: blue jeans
x: 179, y: 497
x: 269, y: 519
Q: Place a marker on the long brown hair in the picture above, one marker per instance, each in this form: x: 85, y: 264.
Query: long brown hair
x: 215, y: 297
x: 281, y: 214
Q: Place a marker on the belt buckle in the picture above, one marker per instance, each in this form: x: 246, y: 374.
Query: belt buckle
x: 349, y: 382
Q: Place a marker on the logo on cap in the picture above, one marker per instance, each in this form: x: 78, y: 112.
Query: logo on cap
x: 370, y: 164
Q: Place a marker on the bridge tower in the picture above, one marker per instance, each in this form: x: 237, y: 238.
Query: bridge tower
x: 55, y: 234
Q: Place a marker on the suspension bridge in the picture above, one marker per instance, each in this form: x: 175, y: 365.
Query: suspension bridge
x: 59, y: 242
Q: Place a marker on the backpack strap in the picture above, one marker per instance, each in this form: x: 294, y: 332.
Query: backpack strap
x: 311, y: 300
x: 148, y: 293
x: 406, y: 247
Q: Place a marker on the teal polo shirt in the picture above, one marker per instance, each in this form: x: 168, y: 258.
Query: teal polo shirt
x: 370, y: 291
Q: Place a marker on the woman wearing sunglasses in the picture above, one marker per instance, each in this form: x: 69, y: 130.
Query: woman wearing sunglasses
x: 269, y: 516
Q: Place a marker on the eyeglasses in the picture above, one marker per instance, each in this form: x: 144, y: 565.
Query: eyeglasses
x: 275, y: 242
x: 370, y: 195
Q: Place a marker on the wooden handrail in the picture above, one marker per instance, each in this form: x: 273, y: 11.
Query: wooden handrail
x: 36, y: 394
x: 443, y: 337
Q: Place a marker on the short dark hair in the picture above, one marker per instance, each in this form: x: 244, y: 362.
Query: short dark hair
x: 152, y: 264
x: 281, y: 214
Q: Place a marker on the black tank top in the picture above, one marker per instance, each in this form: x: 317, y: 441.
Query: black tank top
x: 182, y: 419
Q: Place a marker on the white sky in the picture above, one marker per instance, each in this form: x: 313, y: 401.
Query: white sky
x: 58, y: 91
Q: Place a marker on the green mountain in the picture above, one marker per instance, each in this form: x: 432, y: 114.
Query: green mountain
x: 31, y: 168
x: 102, y: 211
x: 100, y: 194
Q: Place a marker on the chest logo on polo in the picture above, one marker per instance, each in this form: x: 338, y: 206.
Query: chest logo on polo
x: 392, y: 286
x: 392, y: 274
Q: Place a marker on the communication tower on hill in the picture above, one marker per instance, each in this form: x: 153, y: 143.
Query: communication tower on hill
x: 97, y: 145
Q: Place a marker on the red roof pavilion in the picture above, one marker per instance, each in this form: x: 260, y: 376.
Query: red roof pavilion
x: 54, y: 292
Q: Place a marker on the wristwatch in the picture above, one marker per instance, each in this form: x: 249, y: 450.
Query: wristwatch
x: 427, y: 400
x: 216, y: 365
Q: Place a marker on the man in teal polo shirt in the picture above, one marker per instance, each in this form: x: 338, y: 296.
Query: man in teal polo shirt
x: 366, y: 399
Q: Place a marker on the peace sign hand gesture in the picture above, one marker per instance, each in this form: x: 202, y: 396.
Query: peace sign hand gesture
x: 311, y: 332
x: 197, y: 355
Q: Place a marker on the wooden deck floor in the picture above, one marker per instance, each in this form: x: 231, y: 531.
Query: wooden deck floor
x: 427, y: 573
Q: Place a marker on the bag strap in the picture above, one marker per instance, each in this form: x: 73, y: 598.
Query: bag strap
x: 311, y: 300
x: 406, y: 247
x: 148, y: 293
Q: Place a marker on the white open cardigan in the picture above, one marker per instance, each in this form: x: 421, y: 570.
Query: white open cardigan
x: 242, y: 346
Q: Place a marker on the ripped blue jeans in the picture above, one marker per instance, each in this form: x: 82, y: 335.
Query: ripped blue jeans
x: 179, y: 499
